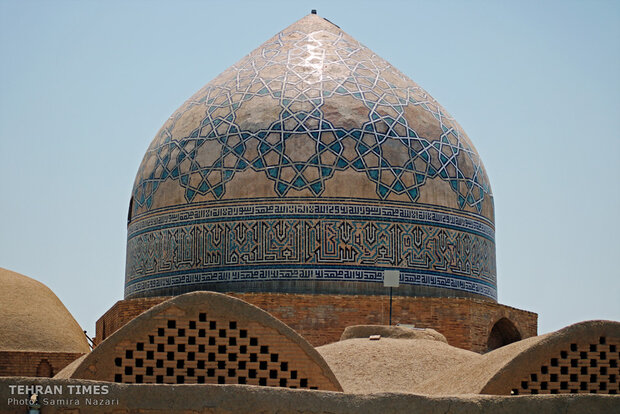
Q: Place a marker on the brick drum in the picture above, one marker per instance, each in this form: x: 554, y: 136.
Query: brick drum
x: 321, y: 319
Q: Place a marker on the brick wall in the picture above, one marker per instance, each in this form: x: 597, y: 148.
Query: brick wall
x: 321, y: 319
x: 122, y: 312
x: 34, y: 364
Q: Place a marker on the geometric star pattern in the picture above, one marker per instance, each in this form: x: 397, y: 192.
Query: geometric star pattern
x: 302, y: 106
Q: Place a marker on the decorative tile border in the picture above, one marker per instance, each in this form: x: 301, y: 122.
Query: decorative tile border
x: 289, y: 274
x: 280, y: 241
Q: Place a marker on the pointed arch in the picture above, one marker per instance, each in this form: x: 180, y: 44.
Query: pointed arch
x: 504, y: 332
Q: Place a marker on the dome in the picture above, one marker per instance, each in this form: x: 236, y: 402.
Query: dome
x: 311, y: 166
x: 34, y: 319
x: 397, y: 361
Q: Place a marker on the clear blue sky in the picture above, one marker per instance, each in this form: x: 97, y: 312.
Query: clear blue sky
x: 84, y: 87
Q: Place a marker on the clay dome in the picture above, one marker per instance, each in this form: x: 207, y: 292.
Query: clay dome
x: 32, y: 318
x: 312, y: 165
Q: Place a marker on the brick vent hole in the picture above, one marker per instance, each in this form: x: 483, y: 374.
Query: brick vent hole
x: 579, y: 369
x: 205, y: 351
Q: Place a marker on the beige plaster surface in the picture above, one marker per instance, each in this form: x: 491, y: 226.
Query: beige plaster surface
x: 32, y: 318
x: 396, y: 332
x: 389, y: 364
x: 239, y: 399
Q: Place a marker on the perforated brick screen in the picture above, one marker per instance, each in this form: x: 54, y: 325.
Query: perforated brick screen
x: 207, y: 350
x: 581, y: 368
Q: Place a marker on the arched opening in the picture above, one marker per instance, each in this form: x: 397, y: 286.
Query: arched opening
x: 130, y: 212
x: 503, y: 333
x: 44, y: 369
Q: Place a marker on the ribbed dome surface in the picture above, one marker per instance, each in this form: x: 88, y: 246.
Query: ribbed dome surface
x: 32, y: 318
x: 311, y: 160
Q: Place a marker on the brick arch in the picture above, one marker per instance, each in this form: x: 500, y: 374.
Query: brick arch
x: 44, y: 369
x: 503, y: 332
x: 210, y: 338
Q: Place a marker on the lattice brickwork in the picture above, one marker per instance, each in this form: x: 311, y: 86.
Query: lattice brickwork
x: 581, y: 368
x: 213, y: 351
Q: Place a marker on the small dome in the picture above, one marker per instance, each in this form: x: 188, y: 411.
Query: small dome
x: 32, y: 318
x: 312, y: 165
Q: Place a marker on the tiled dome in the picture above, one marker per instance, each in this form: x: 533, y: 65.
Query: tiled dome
x: 311, y: 165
